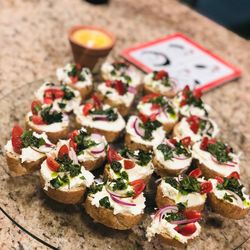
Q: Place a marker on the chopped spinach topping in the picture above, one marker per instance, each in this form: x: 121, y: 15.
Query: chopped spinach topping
x: 220, y: 151
x: 228, y: 197
x: 68, y: 94
x: 116, y: 166
x: 28, y: 139
x: 67, y: 165
x: 173, y: 216
x: 185, y: 186
x: 76, y: 72
x: 104, y: 202
x: 61, y: 105
x: 120, y: 184
x: 233, y: 185
x: 149, y: 127
x: 51, y: 116
x: 109, y: 113
x: 160, y: 100
x: 59, y: 181
x: 95, y: 188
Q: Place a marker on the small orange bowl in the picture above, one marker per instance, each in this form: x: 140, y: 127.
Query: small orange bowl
x: 90, y: 45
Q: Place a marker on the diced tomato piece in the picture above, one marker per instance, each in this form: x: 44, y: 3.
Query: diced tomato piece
x: 138, y: 186
x: 48, y: 93
x: 78, y: 66
x: 52, y: 164
x: 153, y: 117
x: 108, y: 83
x: 219, y: 179
x: 183, y: 103
x: 204, y: 143
x: 212, y: 141
x: 73, y: 144
x: 197, y: 94
x: 192, y: 214
x: 86, y: 108
x: 196, y: 173
x: 97, y: 101
x: 58, y: 93
x: 186, y: 91
x: 119, y: 86
x: 47, y: 100
x: 148, y: 97
x: 128, y: 164
x: 186, y: 141
x: 143, y: 117
x: 155, y: 106
x: 37, y: 119
x: 234, y: 175
x: 113, y: 155
x: 186, y: 230
x: 64, y: 150
x: 206, y: 187
x: 16, y: 141
x: 161, y: 74
x: 194, y: 122
x: 74, y: 79
x: 35, y: 107
x: 73, y: 134
x: 172, y: 141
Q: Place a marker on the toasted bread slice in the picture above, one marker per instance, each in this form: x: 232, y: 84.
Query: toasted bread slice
x: 135, y: 145
x: 106, y: 217
x: 149, y: 90
x: 162, y: 201
x: 167, y: 240
x: 121, y: 107
x: 110, y: 136
x: 17, y: 168
x: 72, y: 196
x: 176, y: 131
x: 52, y: 136
x: 92, y: 165
x: 207, y: 172
x: 84, y: 91
x: 225, y: 208
x: 163, y: 171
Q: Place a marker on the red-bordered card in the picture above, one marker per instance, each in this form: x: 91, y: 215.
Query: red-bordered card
x: 186, y: 62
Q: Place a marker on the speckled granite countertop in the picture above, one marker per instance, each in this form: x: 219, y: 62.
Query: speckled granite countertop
x: 34, y: 43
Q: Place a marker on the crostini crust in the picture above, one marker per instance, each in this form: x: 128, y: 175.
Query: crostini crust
x: 149, y: 90
x: 106, y: 217
x: 92, y: 165
x: 135, y: 145
x: 84, y: 91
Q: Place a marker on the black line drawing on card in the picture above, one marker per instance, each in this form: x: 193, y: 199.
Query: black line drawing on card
x: 165, y: 59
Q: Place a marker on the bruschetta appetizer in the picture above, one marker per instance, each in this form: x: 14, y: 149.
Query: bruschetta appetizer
x: 117, y: 204
x: 121, y: 71
x: 172, y: 156
x: 190, y: 103
x: 228, y: 197
x: 63, y: 97
x: 62, y: 178
x: 101, y: 119
x: 215, y: 158
x: 117, y: 94
x: 89, y: 148
x: 143, y: 133
x: 44, y: 118
x: 173, y: 226
x: 77, y: 78
x: 159, y: 108
x: 195, y: 127
x: 159, y: 82
x: 26, y: 150
x: 187, y: 189
x: 136, y: 164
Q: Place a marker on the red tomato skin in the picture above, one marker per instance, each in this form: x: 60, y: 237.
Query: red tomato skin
x: 73, y: 144
x: 192, y: 214
x: 64, y: 150
x: 74, y: 79
x: 16, y: 141
x: 73, y: 134
x: 234, y: 175
x: 196, y: 173
x: 204, y: 144
x: 138, y: 186
x: 219, y: 179
x: 186, y: 230
x: 148, y: 97
x: 206, y: 187
x: 52, y: 164
x: 128, y: 164
x: 113, y: 155
x: 186, y: 141
x: 161, y: 74
x: 37, y: 119
x: 86, y: 108
x: 36, y: 104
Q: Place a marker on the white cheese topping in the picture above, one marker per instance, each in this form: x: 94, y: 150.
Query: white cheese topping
x: 119, y: 208
x: 135, y: 173
x: 181, y: 162
x: 206, y: 158
x: 184, y: 130
x: 235, y: 198
x: 162, y: 115
x: 69, y: 104
x: 53, y: 127
x: 112, y: 94
x: 107, y: 68
x: 62, y: 76
x: 29, y: 154
x: 87, y: 121
x: 192, y: 199
x: 158, y: 227
x: 157, y: 84
x: 158, y: 135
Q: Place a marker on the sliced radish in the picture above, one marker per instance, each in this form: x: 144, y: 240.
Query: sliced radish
x: 138, y: 130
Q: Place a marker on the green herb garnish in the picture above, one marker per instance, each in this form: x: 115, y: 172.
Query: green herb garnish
x: 116, y: 166
x: 104, y: 202
x: 28, y: 139
x: 149, y: 126
x: 94, y: 188
x: 83, y: 141
x: 220, y: 151
x: 59, y: 181
x: 51, y: 116
x: 68, y: 94
x: 67, y: 165
x: 109, y: 113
